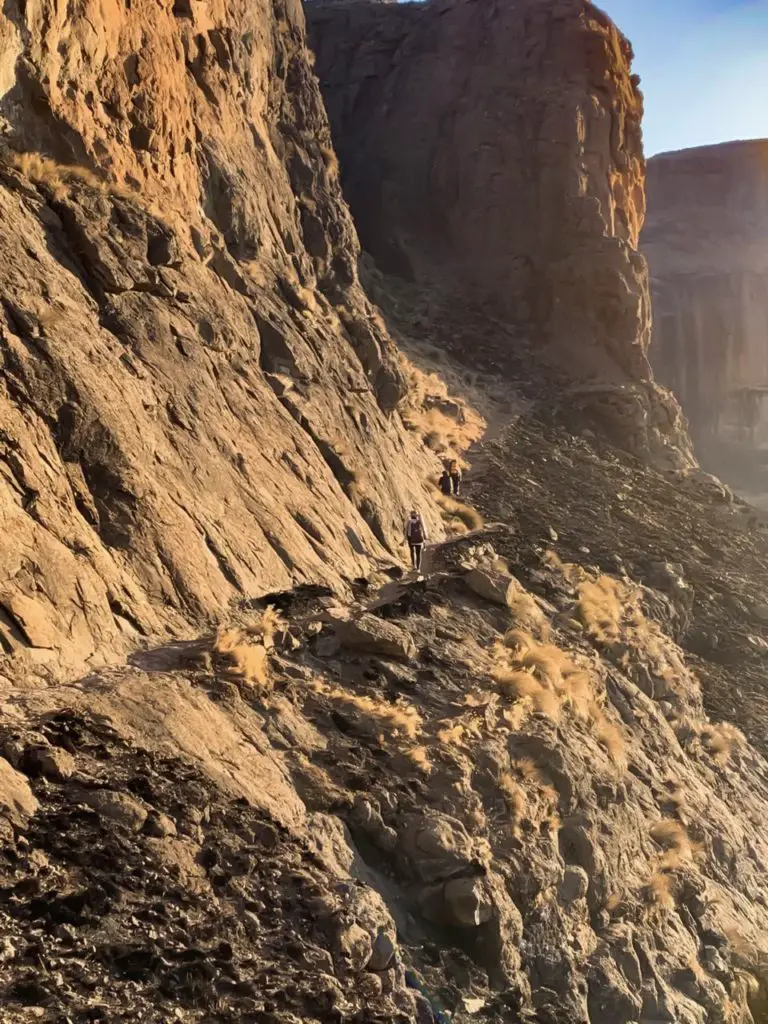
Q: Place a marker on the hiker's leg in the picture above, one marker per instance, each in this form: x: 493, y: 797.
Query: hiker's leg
x: 419, y: 549
x: 413, y: 555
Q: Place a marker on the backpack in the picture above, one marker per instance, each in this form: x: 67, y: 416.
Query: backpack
x: 416, y: 531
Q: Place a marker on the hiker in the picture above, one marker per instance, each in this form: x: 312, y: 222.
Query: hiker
x: 455, y: 476
x: 415, y: 535
x: 446, y: 484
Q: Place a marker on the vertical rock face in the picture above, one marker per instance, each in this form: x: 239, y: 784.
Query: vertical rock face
x: 497, y: 146
x: 705, y: 240
x: 196, y: 399
x: 495, y: 150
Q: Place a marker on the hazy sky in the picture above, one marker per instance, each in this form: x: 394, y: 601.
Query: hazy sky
x: 704, y: 68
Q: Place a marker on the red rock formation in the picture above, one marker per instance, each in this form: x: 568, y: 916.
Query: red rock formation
x: 705, y: 240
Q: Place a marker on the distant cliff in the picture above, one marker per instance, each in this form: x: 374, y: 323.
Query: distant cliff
x: 495, y: 150
x: 706, y: 240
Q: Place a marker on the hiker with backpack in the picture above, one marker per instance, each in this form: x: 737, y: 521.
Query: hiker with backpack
x: 415, y: 535
x: 445, y: 484
x: 454, y: 474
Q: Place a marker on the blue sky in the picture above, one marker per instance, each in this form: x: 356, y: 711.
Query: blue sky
x: 704, y: 68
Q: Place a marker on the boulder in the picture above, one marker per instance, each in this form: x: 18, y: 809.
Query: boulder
x: 467, y: 902
x: 492, y: 586
x: 117, y: 807
x: 375, y: 636
x: 52, y: 762
x: 16, y: 798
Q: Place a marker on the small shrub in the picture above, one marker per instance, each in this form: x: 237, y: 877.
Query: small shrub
x: 600, y: 609
x: 330, y: 160
x: 453, y: 509
x: 528, y: 614
x: 241, y: 658
x: 659, y: 890
x: 722, y: 740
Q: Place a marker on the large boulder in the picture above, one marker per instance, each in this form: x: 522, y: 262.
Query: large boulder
x: 375, y: 636
x: 497, y: 587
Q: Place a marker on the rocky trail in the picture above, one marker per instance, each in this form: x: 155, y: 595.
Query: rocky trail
x: 398, y: 819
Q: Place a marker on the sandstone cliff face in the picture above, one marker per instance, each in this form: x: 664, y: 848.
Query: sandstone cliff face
x: 705, y: 243
x: 497, y: 148
x: 197, y: 401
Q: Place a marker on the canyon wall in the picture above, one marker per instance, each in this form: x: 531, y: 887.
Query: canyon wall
x: 495, y: 151
x: 197, y: 401
x: 497, y: 146
x: 705, y: 240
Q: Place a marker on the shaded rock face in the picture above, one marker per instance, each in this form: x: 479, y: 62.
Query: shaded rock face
x: 705, y: 243
x: 197, y: 401
x: 497, y: 148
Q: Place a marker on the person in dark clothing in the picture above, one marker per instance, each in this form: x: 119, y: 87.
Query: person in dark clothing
x: 455, y: 476
x: 415, y: 535
x: 445, y: 483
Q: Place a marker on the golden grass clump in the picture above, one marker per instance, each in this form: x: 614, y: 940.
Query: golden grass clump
x: 659, y: 890
x: 448, y: 434
x: 515, y: 796
x: 241, y: 658
x: 611, y: 739
x: 419, y: 757
x: 722, y: 740
x: 523, y: 685
x: 543, y: 674
x: 400, y: 719
x: 330, y: 160
x: 56, y: 177
x: 457, y: 512
x: 600, y: 608
x: 266, y: 626
x: 451, y: 734
x: 670, y: 835
x: 528, y: 615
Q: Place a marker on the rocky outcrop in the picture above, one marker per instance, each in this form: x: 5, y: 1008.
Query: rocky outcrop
x: 705, y: 242
x: 503, y: 829
x: 197, y: 402
x: 495, y: 150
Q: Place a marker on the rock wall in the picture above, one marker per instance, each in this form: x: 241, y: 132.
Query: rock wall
x: 705, y: 243
x: 498, y: 147
x: 197, y: 401
x: 494, y: 151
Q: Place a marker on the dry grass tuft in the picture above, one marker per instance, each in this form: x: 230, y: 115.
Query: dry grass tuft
x: 330, y: 160
x: 241, y: 658
x: 545, y: 674
x: 611, y: 739
x: 600, y: 608
x: 420, y: 758
x: 400, y: 719
x: 266, y: 626
x: 722, y: 740
x: 445, y: 422
x: 453, y: 511
x: 451, y: 734
x: 528, y: 615
x: 674, y: 840
x: 523, y: 685
x: 56, y: 177
x: 514, y: 796
x: 659, y: 890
